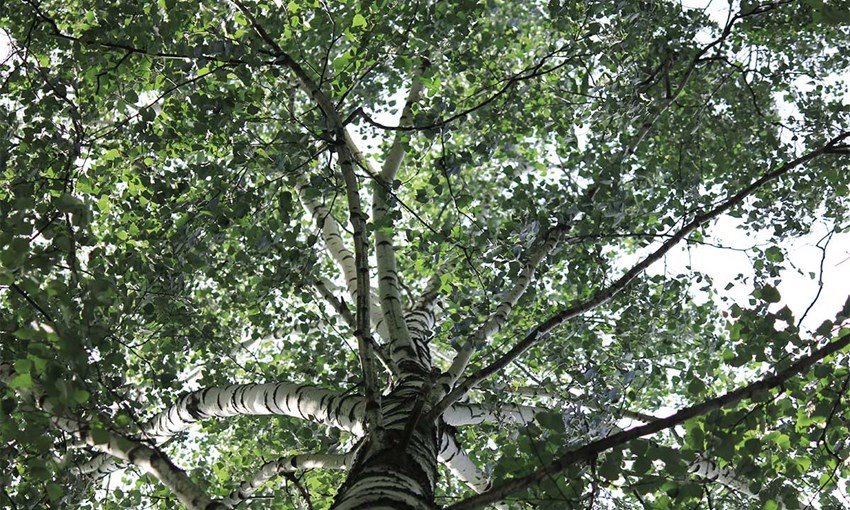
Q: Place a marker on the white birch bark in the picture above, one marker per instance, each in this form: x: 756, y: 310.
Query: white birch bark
x: 314, y: 404
x: 331, y: 234
x: 388, y: 280
x: 146, y: 458
x: 283, y: 465
x: 455, y: 458
x: 473, y: 414
x: 403, y: 473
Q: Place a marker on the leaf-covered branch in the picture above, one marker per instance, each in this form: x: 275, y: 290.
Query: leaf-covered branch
x: 603, y: 295
x: 590, y: 450
x: 118, y: 446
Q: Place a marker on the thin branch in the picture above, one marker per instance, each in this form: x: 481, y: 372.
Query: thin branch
x: 148, y: 459
x: 285, y: 465
x: 591, y: 450
x: 671, y: 98
x: 120, y: 47
x: 31, y: 301
x: 323, y: 288
x: 827, y: 238
x: 602, y: 296
x: 499, y: 317
x: 530, y: 72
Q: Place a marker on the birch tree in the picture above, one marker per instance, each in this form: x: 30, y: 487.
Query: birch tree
x: 412, y: 255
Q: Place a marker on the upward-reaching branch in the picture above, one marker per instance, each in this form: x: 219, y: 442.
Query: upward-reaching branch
x: 499, y: 317
x: 602, y: 296
x: 388, y: 280
x: 331, y: 234
x: 347, y: 162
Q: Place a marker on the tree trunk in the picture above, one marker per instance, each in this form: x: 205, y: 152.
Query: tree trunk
x: 399, y: 470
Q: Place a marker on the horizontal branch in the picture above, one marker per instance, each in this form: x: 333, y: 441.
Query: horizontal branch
x: 591, y: 450
x: 311, y: 403
x: 472, y: 414
x: 284, y: 465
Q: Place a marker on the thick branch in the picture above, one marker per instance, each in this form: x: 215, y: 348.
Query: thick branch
x: 388, y: 280
x: 602, y: 296
x: 593, y: 449
x: 455, y: 458
x: 347, y: 162
x: 283, y: 399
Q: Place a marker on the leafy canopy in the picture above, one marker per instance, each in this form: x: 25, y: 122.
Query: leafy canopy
x: 152, y: 240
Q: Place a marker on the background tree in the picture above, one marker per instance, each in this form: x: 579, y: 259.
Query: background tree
x: 399, y: 250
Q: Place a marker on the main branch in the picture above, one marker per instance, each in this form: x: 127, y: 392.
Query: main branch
x: 357, y: 217
x: 388, y: 280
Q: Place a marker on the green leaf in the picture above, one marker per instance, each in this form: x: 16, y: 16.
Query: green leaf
x: 358, y: 21
x: 103, y: 203
x: 68, y: 203
x: 100, y: 435
x: 22, y: 381
x: 112, y: 154
x: 81, y: 396
x: 770, y: 294
x: 825, y: 328
x: 54, y: 491
x: 551, y: 421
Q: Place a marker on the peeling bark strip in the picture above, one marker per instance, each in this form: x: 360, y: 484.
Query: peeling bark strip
x: 148, y: 459
x: 591, y: 450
